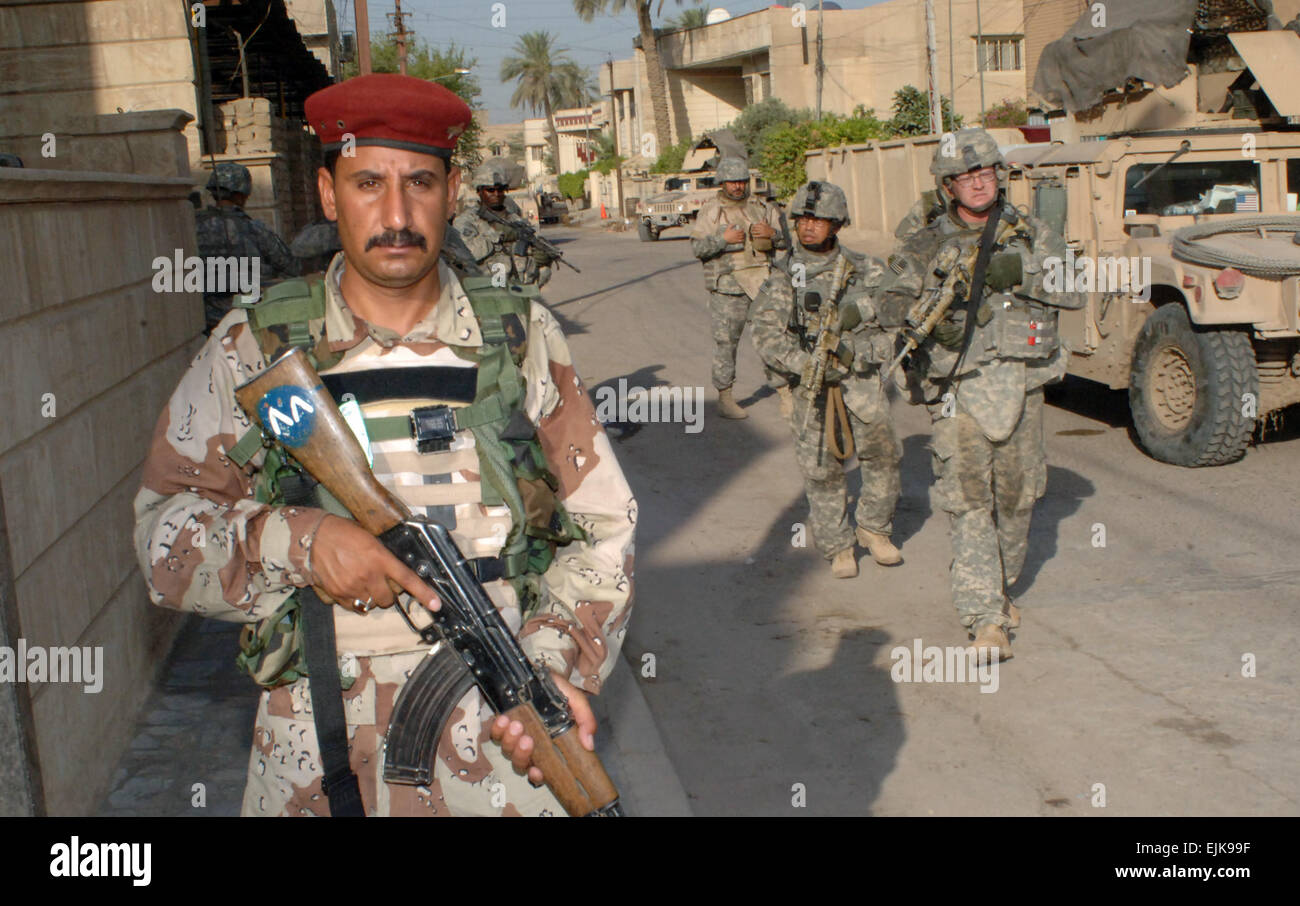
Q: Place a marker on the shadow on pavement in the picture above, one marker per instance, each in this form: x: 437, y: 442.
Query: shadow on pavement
x: 1066, y: 491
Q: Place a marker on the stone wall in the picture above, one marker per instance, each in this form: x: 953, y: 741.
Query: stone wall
x: 91, y: 355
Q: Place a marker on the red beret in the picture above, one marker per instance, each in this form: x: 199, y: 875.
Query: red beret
x: 396, y: 111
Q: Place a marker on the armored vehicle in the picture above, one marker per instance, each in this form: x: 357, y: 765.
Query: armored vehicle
x: 680, y: 200
x: 1178, y: 207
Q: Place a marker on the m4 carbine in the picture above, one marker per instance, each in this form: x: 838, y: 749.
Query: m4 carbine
x: 471, y: 643
x: 527, y: 235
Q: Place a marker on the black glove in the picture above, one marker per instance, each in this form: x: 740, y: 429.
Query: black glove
x: 507, y: 233
x: 839, y: 363
x: 1004, y: 272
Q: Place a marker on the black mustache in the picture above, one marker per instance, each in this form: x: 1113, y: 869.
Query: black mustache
x: 396, y: 239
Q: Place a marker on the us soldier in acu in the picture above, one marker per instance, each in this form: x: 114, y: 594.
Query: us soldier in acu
x: 982, y: 372
x: 225, y: 230
x: 790, y: 309
x: 493, y: 246
x: 392, y: 326
x: 736, y: 237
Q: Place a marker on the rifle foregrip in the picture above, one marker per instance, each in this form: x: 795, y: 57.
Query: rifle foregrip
x: 574, y: 775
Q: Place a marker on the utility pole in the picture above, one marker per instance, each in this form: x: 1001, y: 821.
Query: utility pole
x: 821, y: 64
x: 400, y: 33
x: 613, y: 120
x: 363, y: 37
x: 932, y: 72
x: 979, y: 56
x: 952, y: 79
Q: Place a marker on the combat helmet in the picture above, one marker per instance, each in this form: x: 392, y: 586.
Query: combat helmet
x: 490, y: 173
x: 821, y: 199
x: 733, y: 169
x: 972, y: 149
x: 229, y: 178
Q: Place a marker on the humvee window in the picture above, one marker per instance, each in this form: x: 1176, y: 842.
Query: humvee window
x: 705, y: 182
x: 675, y: 183
x: 1207, y: 187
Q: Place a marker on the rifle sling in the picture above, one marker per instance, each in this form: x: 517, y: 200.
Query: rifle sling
x: 318, y: 645
x: 976, y: 290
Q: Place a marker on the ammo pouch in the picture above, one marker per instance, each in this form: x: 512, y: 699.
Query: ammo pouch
x: 1025, y: 331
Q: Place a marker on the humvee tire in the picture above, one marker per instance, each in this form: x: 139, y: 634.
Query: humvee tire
x: 647, y: 232
x: 1188, y: 388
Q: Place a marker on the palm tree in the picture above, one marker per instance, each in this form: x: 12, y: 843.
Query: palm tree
x: 547, y: 79
x: 694, y: 17
x: 587, y: 9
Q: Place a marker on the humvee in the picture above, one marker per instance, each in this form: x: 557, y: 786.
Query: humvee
x: 1195, y: 184
x: 679, y: 200
x: 1205, y: 332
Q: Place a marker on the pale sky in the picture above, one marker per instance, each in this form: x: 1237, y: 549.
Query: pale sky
x: 469, y: 24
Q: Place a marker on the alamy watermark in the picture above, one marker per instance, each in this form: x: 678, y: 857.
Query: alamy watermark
x: 637, y: 405
x: 214, y: 274
x: 41, y: 664
x: 953, y: 664
x: 1107, y: 274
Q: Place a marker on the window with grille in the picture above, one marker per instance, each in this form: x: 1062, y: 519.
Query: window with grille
x: 999, y: 53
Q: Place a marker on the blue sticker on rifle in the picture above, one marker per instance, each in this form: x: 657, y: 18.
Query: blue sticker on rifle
x: 288, y: 414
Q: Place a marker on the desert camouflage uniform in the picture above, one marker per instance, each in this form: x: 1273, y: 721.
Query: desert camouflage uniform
x: 989, y: 460
x: 229, y: 231
x: 783, y: 334
x: 255, y: 554
x: 494, y: 254
x: 733, y: 273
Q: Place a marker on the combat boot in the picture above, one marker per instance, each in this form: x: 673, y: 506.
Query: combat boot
x: 881, y: 548
x: 1013, y: 612
x: 989, y: 637
x: 844, y: 565
x: 787, y: 400
x: 728, y: 407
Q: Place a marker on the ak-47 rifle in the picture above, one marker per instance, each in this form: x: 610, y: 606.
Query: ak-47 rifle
x: 526, y: 234
x: 953, y: 268
x: 471, y: 643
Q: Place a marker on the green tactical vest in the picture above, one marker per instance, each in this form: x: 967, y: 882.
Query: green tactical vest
x: 512, y: 465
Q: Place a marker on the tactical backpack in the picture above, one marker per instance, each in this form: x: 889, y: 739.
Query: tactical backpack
x: 512, y: 466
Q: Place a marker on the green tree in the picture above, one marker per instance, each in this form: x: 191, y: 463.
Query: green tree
x: 781, y: 160
x: 545, y: 77
x: 1011, y: 112
x: 912, y: 112
x: 690, y: 18
x: 672, y: 158
x: 573, y: 185
x: 751, y: 126
x: 587, y: 9
x: 434, y: 65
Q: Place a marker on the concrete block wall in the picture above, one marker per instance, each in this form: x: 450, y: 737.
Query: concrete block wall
x: 91, y: 354
x: 281, y: 156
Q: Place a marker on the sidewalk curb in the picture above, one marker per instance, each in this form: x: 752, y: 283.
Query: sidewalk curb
x: 633, y: 750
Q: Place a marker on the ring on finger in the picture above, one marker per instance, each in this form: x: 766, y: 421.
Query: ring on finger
x: 364, y: 606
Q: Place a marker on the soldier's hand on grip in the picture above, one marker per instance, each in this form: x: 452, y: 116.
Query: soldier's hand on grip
x: 350, y: 565
x: 518, y: 745
x: 734, y: 234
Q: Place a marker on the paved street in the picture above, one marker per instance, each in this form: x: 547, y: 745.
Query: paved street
x: 770, y: 673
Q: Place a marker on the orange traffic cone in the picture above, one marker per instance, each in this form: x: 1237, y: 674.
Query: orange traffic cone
x: 603, y: 215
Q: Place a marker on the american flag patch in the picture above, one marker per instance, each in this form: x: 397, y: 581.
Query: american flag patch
x: 1247, y: 201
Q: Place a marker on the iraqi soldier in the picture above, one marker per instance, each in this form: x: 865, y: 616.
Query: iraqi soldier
x: 225, y: 230
x: 495, y: 246
x: 393, y: 325
x: 981, y: 373
x: 821, y: 278
x: 736, y: 237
